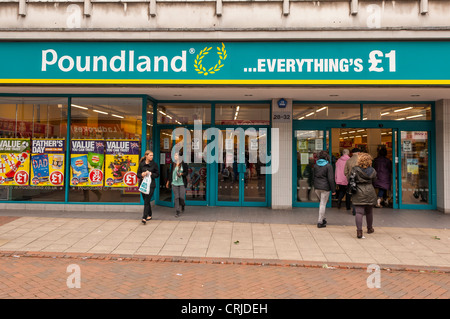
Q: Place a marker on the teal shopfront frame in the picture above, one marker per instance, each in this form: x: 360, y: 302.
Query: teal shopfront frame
x: 397, y: 126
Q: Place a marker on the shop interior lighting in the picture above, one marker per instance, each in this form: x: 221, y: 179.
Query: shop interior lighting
x: 309, y: 114
x: 404, y: 109
x: 80, y: 107
x: 237, y: 112
x: 119, y: 116
x: 100, y: 112
x: 321, y: 109
x: 385, y: 113
x: 360, y: 130
x: 413, y: 116
x: 301, y: 118
x: 400, y: 119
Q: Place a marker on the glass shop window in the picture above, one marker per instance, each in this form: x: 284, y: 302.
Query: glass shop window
x: 397, y: 112
x: 183, y: 113
x: 32, y: 148
x: 326, y: 111
x: 106, y: 141
x: 243, y: 114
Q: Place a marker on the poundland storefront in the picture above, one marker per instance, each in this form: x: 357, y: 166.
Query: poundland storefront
x: 57, y: 147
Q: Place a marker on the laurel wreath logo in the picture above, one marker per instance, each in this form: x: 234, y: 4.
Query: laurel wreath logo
x: 198, y: 63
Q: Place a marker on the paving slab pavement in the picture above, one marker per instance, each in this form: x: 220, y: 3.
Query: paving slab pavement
x: 402, y: 239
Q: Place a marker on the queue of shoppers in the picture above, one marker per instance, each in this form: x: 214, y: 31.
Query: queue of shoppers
x: 355, y: 177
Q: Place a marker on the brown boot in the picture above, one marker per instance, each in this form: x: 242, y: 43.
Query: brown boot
x: 370, y: 230
x: 359, y: 233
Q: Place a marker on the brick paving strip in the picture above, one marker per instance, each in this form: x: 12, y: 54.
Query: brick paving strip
x: 114, y: 277
x: 43, y: 275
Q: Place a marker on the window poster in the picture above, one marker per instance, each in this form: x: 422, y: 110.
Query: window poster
x: 86, y: 162
x: 121, y: 163
x: 47, y: 162
x: 14, y: 161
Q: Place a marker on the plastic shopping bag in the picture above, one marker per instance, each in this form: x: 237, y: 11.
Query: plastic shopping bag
x: 145, y: 185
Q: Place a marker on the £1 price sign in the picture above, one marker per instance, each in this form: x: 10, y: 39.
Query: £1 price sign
x: 56, y: 178
x: 130, y: 179
x: 96, y: 176
x: 21, y: 178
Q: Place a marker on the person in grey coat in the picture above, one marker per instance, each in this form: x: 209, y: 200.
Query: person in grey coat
x: 365, y: 197
x: 323, y: 177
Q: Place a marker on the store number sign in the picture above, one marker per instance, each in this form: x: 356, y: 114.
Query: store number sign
x: 281, y: 114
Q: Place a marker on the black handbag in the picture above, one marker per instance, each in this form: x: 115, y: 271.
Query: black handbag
x: 351, y: 189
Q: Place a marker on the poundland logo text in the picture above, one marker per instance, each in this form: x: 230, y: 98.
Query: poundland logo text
x: 126, y: 61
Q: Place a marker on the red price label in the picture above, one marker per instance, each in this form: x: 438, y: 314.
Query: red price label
x: 96, y: 176
x: 56, y: 178
x: 21, y: 177
x: 130, y: 179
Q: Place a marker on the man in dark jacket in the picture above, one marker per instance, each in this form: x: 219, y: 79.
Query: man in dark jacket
x: 323, y: 184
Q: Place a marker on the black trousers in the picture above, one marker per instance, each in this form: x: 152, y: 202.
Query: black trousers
x: 343, y: 192
x: 147, y: 206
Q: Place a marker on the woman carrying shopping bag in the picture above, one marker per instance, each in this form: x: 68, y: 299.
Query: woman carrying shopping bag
x: 147, y: 168
x: 178, y: 179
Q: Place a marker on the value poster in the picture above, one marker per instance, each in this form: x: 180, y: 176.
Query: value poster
x: 47, y: 162
x: 15, y: 161
x: 122, y: 159
x: 86, y: 162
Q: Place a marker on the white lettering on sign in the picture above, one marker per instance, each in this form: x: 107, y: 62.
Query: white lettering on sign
x: 308, y: 65
x: 126, y: 61
x: 376, y: 60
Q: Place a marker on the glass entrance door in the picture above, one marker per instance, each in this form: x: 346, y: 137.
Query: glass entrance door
x: 192, y: 150
x: 239, y: 178
x: 308, y: 144
x: 415, y: 168
x: 379, y: 143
